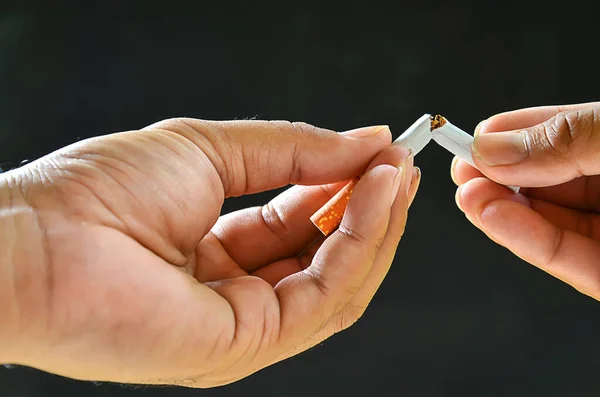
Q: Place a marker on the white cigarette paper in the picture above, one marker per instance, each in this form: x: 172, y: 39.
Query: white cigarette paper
x: 446, y: 134
x: 417, y: 136
x: 457, y: 142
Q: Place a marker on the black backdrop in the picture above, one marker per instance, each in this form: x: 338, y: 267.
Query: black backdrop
x: 457, y: 315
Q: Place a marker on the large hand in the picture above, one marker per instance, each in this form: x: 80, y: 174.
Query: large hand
x: 555, y: 153
x: 130, y: 275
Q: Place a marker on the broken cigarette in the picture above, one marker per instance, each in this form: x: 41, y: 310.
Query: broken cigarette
x: 330, y: 215
x: 455, y: 140
x: 415, y: 138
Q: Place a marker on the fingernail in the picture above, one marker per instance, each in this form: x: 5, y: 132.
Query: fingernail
x: 500, y: 148
x: 416, y: 175
x: 521, y: 199
x: 457, y: 198
x: 399, y: 180
x: 414, y: 184
x: 407, y: 165
x: 453, y: 168
x: 408, y: 182
x: 478, y: 128
x: 366, y: 132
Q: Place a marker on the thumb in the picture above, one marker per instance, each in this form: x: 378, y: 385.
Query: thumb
x: 556, y: 151
x: 252, y: 156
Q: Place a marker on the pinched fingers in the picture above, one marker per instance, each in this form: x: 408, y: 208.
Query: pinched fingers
x: 550, y: 153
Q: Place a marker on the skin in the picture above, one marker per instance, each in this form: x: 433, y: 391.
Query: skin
x: 117, y: 266
x: 553, y: 223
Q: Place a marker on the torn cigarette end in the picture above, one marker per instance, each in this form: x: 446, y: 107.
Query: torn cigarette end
x: 328, y: 218
x: 437, y: 121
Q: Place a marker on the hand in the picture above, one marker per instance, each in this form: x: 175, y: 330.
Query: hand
x: 130, y: 275
x: 553, y: 223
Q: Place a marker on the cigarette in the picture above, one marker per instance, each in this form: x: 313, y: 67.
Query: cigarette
x: 415, y: 138
x: 455, y: 140
x: 328, y: 217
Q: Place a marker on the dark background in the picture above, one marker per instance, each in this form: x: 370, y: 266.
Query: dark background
x: 460, y: 318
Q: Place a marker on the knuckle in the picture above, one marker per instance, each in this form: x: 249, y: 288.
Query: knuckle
x: 295, y: 170
x: 310, y: 131
x: 353, y: 234
x: 350, y: 315
x: 568, y: 131
x: 555, y: 247
x: 371, y: 245
x: 214, y: 142
x: 595, y: 119
x: 352, y: 289
x: 316, y: 277
x: 274, y: 220
x: 182, y: 125
x: 337, y: 294
x: 304, y: 128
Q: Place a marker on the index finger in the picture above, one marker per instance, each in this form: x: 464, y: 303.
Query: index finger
x: 527, y: 117
x: 251, y: 156
x: 308, y: 299
x: 565, y: 254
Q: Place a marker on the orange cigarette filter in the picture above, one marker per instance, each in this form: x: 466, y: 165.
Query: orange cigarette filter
x: 328, y: 218
x: 414, y: 139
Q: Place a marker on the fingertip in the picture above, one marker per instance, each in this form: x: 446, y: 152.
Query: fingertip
x: 369, y: 206
x: 453, y: 170
x: 462, y: 172
x: 385, y: 134
x: 497, y: 123
x: 491, y: 124
x: 457, y: 197
x: 474, y: 195
x: 379, y: 179
x: 400, y: 159
x: 516, y: 227
x: 480, y: 127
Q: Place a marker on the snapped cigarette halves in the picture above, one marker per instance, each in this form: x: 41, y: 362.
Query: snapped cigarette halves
x: 415, y: 138
x: 328, y: 218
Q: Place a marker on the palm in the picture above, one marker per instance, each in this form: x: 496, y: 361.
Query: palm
x: 136, y: 252
x: 126, y: 246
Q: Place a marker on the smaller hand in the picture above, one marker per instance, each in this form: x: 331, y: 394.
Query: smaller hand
x: 554, y: 222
